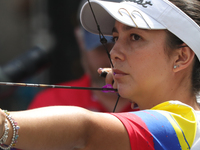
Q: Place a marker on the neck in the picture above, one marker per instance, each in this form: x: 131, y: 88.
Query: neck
x: 177, y: 88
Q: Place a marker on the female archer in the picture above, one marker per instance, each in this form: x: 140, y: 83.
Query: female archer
x: 155, y: 64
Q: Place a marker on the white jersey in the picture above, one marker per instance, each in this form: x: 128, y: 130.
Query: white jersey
x: 196, y: 144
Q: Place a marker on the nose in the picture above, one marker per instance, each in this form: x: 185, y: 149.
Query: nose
x: 116, y: 53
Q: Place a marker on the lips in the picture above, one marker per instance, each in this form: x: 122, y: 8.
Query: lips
x: 118, y: 73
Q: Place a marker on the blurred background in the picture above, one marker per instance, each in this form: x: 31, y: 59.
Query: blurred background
x: 37, y: 45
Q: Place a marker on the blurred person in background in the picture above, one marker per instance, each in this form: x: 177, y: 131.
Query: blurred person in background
x: 93, y: 56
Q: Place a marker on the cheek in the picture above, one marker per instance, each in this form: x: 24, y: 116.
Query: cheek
x: 152, y: 55
x: 149, y: 62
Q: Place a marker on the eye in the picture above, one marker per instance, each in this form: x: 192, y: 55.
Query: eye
x: 114, y: 39
x: 135, y: 37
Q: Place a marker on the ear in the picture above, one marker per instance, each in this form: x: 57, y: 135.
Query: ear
x: 183, y: 58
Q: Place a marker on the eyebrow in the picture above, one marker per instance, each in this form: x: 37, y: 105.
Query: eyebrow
x: 124, y: 28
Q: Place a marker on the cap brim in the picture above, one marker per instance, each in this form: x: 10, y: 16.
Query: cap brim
x: 162, y: 14
x: 107, y: 13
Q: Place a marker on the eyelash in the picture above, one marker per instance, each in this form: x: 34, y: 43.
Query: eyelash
x: 136, y: 37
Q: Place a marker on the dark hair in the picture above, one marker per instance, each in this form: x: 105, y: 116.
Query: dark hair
x: 192, y: 9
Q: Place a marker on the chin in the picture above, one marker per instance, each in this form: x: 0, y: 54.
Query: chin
x: 124, y: 93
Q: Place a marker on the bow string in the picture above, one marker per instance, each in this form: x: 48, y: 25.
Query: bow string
x: 103, y: 41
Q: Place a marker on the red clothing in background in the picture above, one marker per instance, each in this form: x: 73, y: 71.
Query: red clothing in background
x: 73, y: 97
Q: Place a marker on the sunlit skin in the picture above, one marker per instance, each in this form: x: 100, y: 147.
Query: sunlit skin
x: 143, y: 72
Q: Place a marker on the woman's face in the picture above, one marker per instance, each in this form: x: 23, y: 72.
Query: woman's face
x: 142, y: 69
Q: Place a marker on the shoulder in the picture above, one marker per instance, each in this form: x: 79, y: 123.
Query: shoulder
x: 196, y: 144
x: 160, y: 128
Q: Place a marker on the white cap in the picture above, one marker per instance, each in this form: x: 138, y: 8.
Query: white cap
x: 149, y: 14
